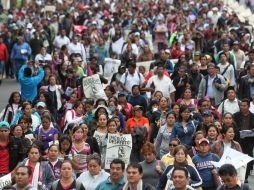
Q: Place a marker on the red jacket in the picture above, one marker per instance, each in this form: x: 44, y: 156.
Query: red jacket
x: 3, y: 52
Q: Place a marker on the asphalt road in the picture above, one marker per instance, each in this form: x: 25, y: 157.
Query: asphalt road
x: 10, y: 85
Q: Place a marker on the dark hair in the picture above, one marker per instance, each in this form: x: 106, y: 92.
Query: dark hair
x: 195, y: 135
x: 136, y: 166
x: 69, y: 128
x: 89, y: 101
x: 227, y: 169
x: 36, y: 146
x: 118, y: 161
x: 27, y: 72
x: 7, y: 187
x: 26, y: 118
x: 135, y: 86
x: 46, y: 117
x: 77, y: 127
x: 148, y: 147
x: 210, y: 126
x: 181, y: 147
x: 182, y: 109
x: 13, y: 127
x: 29, y: 170
x: 77, y: 104
x: 52, y: 146
x: 227, y: 113
x: 171, y: 113
x: 95, y: 157
x: 246, y: 100
x: 111, y: 120
x: 65, y: 138
x: 26, y: 103
x: 11, y: 99
x: 226, y: 128
x: 111, y: 89
x: 100, y: 99
x: 96, y: 114
x: 186, y: 173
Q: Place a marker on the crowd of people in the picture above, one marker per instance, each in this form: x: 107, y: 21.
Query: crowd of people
x: 194, y: 102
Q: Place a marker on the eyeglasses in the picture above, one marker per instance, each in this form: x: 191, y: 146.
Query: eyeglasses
x: 174, y: 145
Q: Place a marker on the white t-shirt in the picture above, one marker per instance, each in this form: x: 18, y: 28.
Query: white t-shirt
x: 130, y: 80
x: 164, y: 85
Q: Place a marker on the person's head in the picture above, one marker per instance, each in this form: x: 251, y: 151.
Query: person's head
x: 102, y: 120
x: 196, y: 138
x: 180, y: 154
x: 137, y: 111
x: 109, y: 91
x: 173, y: 142
x: 204, y: 146
x: 157, y: 95
x: 132, y: 67
x: 160, y: 70
x: 228, y: 174
x: 134, y: 173
x: 184, y: 113
x: 203, y: 105
x: 22, y: 176
x: 163, y: 103
x: 65, y: 144
x: 244, y: 106
x: 85, y: 129
x: 135, y: 90
x: 223, y: 58
x: 112, y: 126
x: 228, y: 133
x: 66, y: 170
x: 203, y: 60
x: 171, y: 118
x: 211, y: 69
x: 231, y: 95
x: 176, y: 108
x: 78, y: 133
x: 28, y: 72
x: 89, y: 105
x: 227, y: 119
x: 25, y: 122
x: 218, y: 125
x: 180, y: 177
x: 94, y: 164
x: 41, y: 107
x: 27, y: 108
x: 78, y: 107
x: 212, y: 132
x: 43, y: 51
x: 251, y: 69
x: 17, y: 131
x: 4, y: 130
x: 182, y: 71
x: 112, y: 106
x: 149, y: 152
x: 15, y: 98
x: 53, y: 152
x: 117, y: 167
x: 52, y: 80
x: 63, y: 32
x: 45, y: 120
x: 34, y: 154
x: 207, y: 117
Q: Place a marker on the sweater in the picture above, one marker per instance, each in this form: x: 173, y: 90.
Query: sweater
x: 3, y: 52
x: 21, y: 52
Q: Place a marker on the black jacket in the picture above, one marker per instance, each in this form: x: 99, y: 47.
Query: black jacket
x: 244, y: 87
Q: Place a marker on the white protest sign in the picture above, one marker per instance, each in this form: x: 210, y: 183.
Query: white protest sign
x: 118, y: 146
x: 145, y: 64
x: 50, y: 8
x: 93, y: 88
x: 117, y: 46
x: 110, y: 67
x: 5, y: 180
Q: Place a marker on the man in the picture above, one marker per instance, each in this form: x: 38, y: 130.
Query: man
x: 246, y: 86
x: 228, y: 174
x: 239, y: 55
x: 43, y: 57
x: 212, y: 85
x: 208, y: 118
x: 231, y: 104
x: 196, y: 77
x: 76, y: 47
x: 227, y: 69
x: 41, y: 107
x: 101, y: 51
x: 137, y: 99
x: 20, y: 54
x: 10, y: 150
x: 131, y: 77
x: 134, y: 177
x: 203, y: 162
x: 4, y: 56
x: 22, y: 177
x: 244, y: 121
x: 29, y: 83
x: 61, y: 40
x: 116, y: 178
x: 180, y: 178
x: 162, y: 83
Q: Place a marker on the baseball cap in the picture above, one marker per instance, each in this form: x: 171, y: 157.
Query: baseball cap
x: 207, y: 113
x: 41, y: 104
x: 203, y: 140
x: 137, y: 107
x: 4, y: 124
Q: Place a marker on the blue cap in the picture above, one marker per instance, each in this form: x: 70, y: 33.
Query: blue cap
x: 41, y: 104
x: 208, y: 113
x: 4, y: 124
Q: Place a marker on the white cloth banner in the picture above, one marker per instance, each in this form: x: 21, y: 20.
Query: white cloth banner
x: 118, y: 146
x: 110, y: 67
x: 145, y: 64
x: 5, y: 180
x: 117, y: 46
x: 93, y: 88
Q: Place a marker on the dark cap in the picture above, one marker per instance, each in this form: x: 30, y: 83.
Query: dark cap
x: 207, y: 113
x: 120, y: 94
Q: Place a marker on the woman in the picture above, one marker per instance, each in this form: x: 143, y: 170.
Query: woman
x: 95, y: 174
x: 137, y: 120
x: 80, y: 150
x: 152, y: 168
x: 56, y: 61
x: 176, y: 108
x: 112, y: 105
x: 188, y: 100
x: 162, y: 139
x: 218, y: 125
x: 101, y: 135
x: 112, y: 126
x: 25, y: 122
x: 227, y: 142
x: 76, y: 115
x: 109, y: 91
x: 54, y: 162
x: 62, y: 72
x: 45, y: 133
x: 42, y: 174
x: 212, y: 133
x: 157, y: 95
x: 66, y: 181
x: 228, y: 120
x: 13, y: 106
x: 180, y: 154
x: 115, y: 80
x: 65, y: 144
x: 28, y: 111
x: 195, y: 145
x: 185, y: 127
x: 146, y: 55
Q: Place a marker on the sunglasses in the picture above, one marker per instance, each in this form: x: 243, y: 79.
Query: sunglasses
x: 174, y: 145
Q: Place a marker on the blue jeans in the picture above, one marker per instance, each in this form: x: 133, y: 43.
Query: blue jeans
x: 1, y: 68
x: 17, y: 64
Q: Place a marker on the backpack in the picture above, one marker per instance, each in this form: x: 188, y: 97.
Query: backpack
x: 54, y: 185
x: 63, y: 122
x: 126, y: 75
x: 222, y: 109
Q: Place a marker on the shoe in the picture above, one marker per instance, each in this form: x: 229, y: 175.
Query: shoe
x: 0, y: 82
x: 246, y: 181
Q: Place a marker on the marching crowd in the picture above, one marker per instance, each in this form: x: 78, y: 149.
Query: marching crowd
x: 184, y: 91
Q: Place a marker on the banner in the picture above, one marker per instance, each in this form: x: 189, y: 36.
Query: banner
x: 110, y: 67
x: 50, y: 8
x: 93, y: 88
x: 117, y: 46
x: 118, y: 146
x: 145, y: 64
x: 79, y: 28
x: 5, y: 180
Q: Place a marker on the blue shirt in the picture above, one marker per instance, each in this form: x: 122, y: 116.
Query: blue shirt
x: 108, y: 185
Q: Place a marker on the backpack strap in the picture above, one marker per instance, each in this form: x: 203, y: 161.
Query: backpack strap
x: 225, y: 69
x: 222, y: 109
x: 126, y: 75
x: 54, y: 185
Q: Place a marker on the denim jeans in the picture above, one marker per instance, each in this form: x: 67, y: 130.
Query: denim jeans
x: 16, y: 66
x: 1, y: 67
